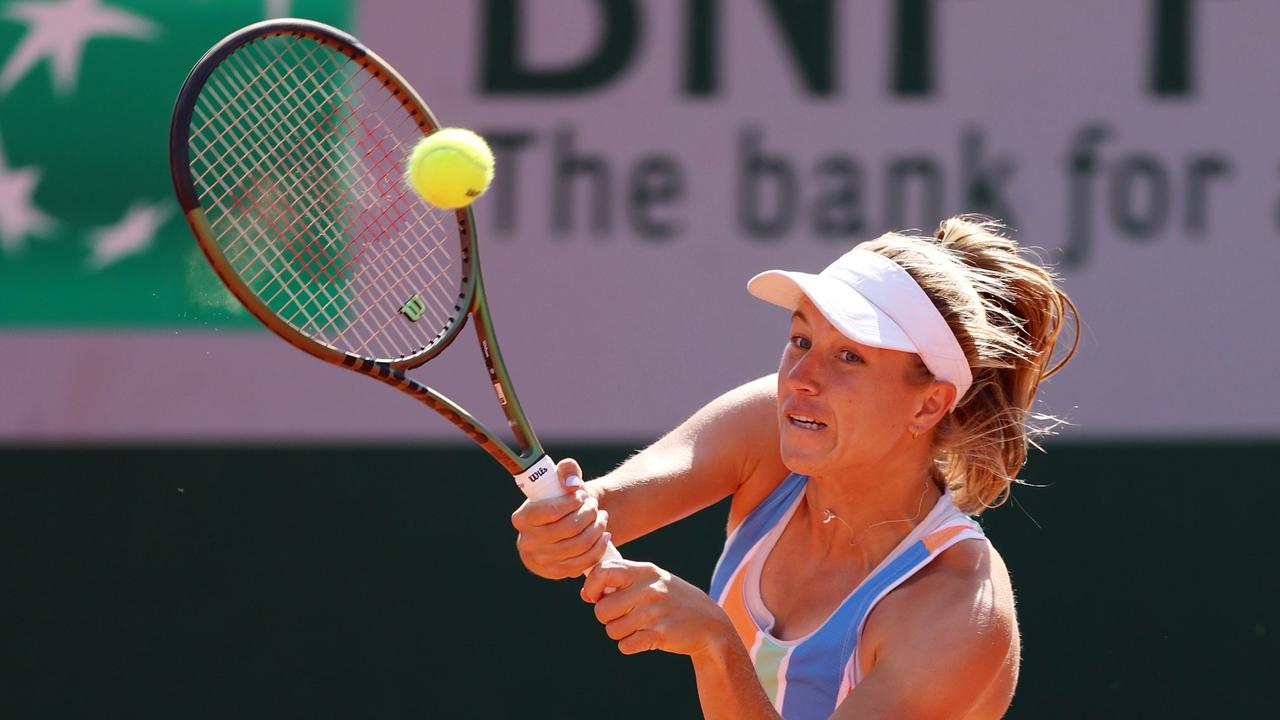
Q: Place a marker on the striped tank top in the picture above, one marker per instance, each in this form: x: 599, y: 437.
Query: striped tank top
x: 806, y: 678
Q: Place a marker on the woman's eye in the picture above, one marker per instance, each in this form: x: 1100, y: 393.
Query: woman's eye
x: 850, y: 356
x: 800, y: 342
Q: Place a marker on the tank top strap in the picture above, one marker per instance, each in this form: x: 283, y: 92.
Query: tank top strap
x: 753, y: 529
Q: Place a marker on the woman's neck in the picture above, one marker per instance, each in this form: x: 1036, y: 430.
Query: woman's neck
x: 867, y: 514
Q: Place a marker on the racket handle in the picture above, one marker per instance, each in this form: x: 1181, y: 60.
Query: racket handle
x: 541, y: 481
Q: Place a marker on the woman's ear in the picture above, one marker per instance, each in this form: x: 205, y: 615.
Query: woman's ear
x: 933, y: 407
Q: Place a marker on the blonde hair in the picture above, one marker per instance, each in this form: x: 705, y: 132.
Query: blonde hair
x: 1007, y: 312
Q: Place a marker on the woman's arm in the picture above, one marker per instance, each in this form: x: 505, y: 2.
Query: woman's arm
x: 730, y: 446
x: 728, y: 688
x: 651, y: 609
x: 725, y: 446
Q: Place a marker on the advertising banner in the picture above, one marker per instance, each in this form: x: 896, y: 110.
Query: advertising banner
x: 651, y: 157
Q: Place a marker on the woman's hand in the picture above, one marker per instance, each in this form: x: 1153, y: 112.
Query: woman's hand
x: 655, y: 610
x: 564, y: 536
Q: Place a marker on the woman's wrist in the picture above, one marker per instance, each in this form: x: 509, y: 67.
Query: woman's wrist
x: 718, y: 647
x: 727, y: 683
x: 596, y: 490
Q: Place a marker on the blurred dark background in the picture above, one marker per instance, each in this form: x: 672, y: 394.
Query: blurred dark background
x: 383, y: 582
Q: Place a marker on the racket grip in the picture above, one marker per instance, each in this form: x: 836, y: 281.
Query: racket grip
x: 541, y: 481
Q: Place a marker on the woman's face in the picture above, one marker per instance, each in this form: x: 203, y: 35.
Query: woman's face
x: 842, y: 405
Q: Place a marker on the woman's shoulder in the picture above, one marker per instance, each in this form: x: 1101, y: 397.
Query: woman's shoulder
x: 962, y: 605
x: 751, y: 419
x: 970, y: 574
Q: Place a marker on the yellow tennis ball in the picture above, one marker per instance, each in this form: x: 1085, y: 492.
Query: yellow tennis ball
x: 451, y: 167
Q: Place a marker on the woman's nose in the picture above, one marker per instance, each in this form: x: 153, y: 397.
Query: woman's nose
x: 801, y: 375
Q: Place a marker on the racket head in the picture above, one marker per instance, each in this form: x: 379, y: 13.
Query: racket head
x: 288, y: 146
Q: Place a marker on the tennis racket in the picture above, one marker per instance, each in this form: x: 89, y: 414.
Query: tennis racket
x: 288, y: 148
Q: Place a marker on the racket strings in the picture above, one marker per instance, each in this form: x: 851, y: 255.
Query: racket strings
x: 264, y: 114
x: 292, y: 189
x: 278, y: 229
x: 334, y: 203
x: 234, y: 124
x: 271, y: 208
x: 406, y: 266
x: 371, y: 132
x: 266, y: 192
x: 298, y: 156
x: 300, y: 179
x: 391, y: 320
x: 372, y: 194
x: 273, y: 171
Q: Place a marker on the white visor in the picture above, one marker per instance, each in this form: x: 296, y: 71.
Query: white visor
x: 872, y: 300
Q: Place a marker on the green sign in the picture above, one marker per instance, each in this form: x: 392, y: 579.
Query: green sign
x: 90, y: 233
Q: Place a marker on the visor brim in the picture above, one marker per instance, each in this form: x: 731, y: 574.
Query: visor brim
x: 856, y: 317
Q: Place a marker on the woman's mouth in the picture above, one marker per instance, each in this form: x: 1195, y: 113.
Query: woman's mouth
x: 805, y: 422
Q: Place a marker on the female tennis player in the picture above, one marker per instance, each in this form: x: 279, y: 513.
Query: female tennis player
x: 854, y: 582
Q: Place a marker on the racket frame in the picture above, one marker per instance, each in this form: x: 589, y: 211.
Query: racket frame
x: 471, y: 301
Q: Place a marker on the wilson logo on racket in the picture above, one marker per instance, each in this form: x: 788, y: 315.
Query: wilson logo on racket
x: 537, y: 474
x: 413, y: 308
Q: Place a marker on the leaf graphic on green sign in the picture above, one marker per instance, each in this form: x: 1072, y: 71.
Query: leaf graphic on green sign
x: 90, y: 235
